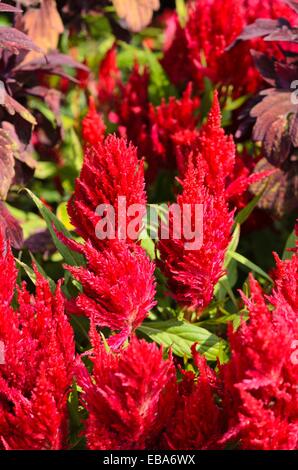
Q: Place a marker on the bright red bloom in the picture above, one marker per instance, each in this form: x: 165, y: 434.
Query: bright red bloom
x: 217, y: 154
x: 201, y: 47
x: 118, y: 288
x: 38, y: 367
x: 108, y: 77
x: 260, y: 395
x: 197, y: 420
x: 93, y: 127
x: 193, y: 273
x: 131, y: 110
x: 111, y: 169
x: 151, y: 128
x: 166, y: 120
x: 129, y: 396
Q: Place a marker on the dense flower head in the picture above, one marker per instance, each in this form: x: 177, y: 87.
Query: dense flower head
x: 260, y: 395
x: 38, y: 369
x: 108, y: 77
x: 166, y: 120
x: 131, y: 110
x: 150, y: 127
x: 193, y: 273
x: 93, y: 127
x: 128, y: 396
x: 196, y: 422
x: 118, y: 288
x: 111, y: 169
x: 200, y: 48
x: 224, y: 169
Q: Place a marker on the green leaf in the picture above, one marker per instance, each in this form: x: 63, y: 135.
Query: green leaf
x: 291, y: 243
x: 232, y: 245
x: 180, y: 336
x: 249, y: 265
x: 181, y: 9
x: 45, y: 170
x: 28, y: 270
x: 31, y: 274
x: 63, y: 216
x: 243, y: 215
x: 70, y: 256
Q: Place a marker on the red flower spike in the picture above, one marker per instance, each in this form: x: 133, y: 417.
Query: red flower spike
x: 37, y: 371
x: 128, y: 397
x: 131, y: 110
x: 260, y: 397
x: 200, y: 49
x: 166, y: 120
x: 93, y: 127
x: 192, y: 274
x: 118, y: 288
x: 111, y: 169
x: 108, y: 77
x: 196, y: 423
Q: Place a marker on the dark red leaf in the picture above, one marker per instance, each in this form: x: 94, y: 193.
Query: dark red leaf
x: 11, y: 226
x: 6, y: 163
x: 15, y: 41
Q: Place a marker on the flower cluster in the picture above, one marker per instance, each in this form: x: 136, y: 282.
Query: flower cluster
x: 118, y: 283
x: 259, y: 382
x: 201, y: 48
x: 192, y: 274
x: 129, y: 396
x: 112, y: 340
x: 38, y: 367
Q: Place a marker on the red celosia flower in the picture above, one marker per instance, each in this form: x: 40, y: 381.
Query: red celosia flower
x: 197, y: 419
x: 193, y: 273
x: 118, y: 288
x: 38, y: 366
x: 93, y: 127
x: 131, y: 110
x: 260, y: 395
x: 286, y: 279
x: 201, y: 47
x: 108, y: 77
x: 111, y: 169
x: 165, y: 121
x: 152, y: 128
x: 223, y: 168
x: 128, y: 397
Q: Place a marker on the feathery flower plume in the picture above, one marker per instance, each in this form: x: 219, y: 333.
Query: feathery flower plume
x: 93, y: 127
x: 118, y: 288
x: 110, y: 169
x: 108, y: 78
x: 196, y: 423
x: 260, y: 395
x: 192, y: 274
x: 128, y: 397
x: 38, y: 366
x: 200, y: 48
x: 223, y: 167
x: 166, y: 120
